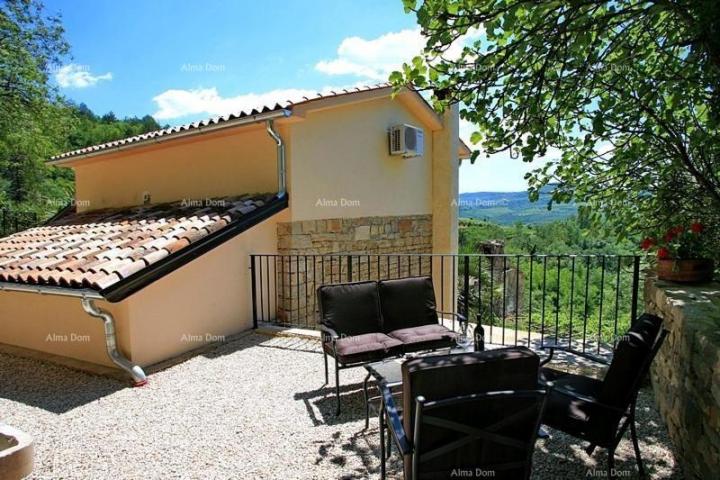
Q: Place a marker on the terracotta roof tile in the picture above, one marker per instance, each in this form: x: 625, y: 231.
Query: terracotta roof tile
x: 98, y: 249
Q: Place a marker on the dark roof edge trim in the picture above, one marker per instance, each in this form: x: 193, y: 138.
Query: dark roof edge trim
x: 136, y: 282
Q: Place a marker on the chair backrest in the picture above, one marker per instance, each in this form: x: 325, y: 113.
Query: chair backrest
x: 350, y: 308
x: 461, y: 428
x: 631, y: 360
x: 407, y: 302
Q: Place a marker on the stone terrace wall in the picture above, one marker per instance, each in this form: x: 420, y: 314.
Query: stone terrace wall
x: 686, y: 372
x: 311, y: 243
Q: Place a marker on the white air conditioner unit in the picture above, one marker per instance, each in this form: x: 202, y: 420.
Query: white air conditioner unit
x: 406, y: 140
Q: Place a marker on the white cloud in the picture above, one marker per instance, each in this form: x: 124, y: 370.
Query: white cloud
x: 376, y: 58
x: 208, y: 102
x: 78, y: 76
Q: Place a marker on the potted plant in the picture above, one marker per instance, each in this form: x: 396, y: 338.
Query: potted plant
x: 681, y: 254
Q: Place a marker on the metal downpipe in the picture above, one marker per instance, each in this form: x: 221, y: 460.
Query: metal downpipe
x: 137, y: 374
x: 269, y: 126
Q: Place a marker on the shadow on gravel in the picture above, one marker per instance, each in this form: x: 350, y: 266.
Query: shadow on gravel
x: 363, y: 445
x: 51, y: 387
x: 320, y: 404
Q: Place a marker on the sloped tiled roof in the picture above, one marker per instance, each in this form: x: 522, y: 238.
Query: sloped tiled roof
x: 98, y: 249
x: 284, y: 104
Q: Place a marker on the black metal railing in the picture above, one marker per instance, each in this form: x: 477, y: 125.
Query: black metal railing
x: 580, y: 301
x: 11, y: 222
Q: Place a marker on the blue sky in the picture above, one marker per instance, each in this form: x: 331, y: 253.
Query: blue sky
x: 181, y: 61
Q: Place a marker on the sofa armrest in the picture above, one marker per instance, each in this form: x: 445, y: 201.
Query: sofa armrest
x: 328, y: 334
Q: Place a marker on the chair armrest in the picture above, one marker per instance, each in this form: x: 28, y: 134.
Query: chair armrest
x: 590, y: 400
x: 393, y: 421
x: 566, y: 349
x: 328, y: 334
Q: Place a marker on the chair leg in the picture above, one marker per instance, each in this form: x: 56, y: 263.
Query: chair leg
x: 327, y: 376
x: 337, y: 388
x: 638, y: 458
x: 611, y: 461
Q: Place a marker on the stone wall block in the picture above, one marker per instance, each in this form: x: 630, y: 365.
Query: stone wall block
x: 686, y: 373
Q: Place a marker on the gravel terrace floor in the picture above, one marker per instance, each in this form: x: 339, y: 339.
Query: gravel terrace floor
x: 252, y: 408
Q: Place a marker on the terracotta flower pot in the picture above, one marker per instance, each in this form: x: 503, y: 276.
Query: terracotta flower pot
x: 686, y: 270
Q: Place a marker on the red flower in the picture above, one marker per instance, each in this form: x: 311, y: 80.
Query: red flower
x: 678, y: 230
x: 663, y: 253
x: 697, y: 227
x: 669, y: 235
x: 647, y: 243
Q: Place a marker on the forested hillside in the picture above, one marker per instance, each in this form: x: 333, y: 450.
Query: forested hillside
x: 569, y: 236
x: 508, y: 208
x: 577, y: 283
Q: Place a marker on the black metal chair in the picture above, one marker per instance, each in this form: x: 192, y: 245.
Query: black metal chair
x: 600, y: 411
x: 466, y: 415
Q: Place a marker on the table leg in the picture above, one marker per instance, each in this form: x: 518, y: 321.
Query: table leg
x: 367, y: 401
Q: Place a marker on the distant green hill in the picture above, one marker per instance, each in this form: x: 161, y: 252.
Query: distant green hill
x: 507, y: 208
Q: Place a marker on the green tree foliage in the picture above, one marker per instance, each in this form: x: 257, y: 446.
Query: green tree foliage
x: 581, y: 289
x: 627, y: 90
x: 90, y: 129
x: 31, y: 45
x: 35, y: 122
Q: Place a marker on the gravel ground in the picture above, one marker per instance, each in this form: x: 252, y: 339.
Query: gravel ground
x: 254, y: 408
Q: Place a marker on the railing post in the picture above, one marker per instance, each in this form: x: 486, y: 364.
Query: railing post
x: 349, y: 268
x: 466, y: 287
x: 254, y: 291
x: 635, y: 289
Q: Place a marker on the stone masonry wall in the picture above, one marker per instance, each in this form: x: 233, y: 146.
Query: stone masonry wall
x: 686, y: 372
x: 308, y: 248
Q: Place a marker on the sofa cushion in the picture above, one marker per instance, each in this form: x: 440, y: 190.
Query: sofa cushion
x: 350, y: 308
x: 407, y: 302
x: 364, y: 348
x: 424, y: 337
x: 566, y: 412
x: 629, y: 359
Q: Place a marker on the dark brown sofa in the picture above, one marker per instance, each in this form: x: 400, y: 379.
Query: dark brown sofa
x: 363, y: 322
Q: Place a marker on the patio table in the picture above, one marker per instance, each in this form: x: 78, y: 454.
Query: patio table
x: 388, y: 373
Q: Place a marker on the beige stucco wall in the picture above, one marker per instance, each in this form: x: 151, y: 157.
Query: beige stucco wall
x: 200, y: 302
x: 445, y: 181
x: 60, y: 326
x: 212, y: 165
x: 340, y: 166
